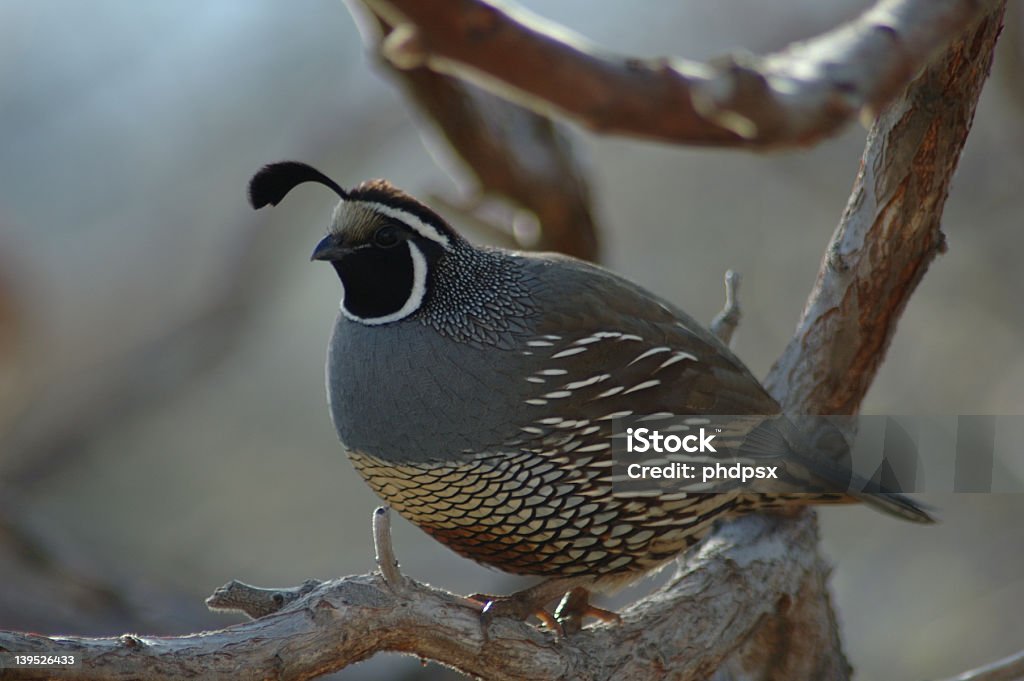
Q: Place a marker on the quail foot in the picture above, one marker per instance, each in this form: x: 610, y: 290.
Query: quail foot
x: 475, y: 388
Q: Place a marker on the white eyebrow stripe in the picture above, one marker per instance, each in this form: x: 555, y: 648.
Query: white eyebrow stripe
x: 416, y: 224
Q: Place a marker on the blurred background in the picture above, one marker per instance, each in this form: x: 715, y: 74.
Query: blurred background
x: 163, y: 426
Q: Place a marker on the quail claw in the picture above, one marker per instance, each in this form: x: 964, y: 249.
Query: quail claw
x: 515, y: 606
x: 575, y: 605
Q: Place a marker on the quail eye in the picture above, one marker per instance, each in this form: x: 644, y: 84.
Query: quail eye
x: 386, y: 237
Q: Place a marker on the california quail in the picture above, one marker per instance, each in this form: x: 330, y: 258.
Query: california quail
x: 474, y: 389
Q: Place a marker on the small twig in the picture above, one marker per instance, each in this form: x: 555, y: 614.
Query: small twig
x: 725, y: 322
x: 386, y: 561
x: 254, y: 601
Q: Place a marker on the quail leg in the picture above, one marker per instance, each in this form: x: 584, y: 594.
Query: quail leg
x: 531, y: 601
x: 575, y: 605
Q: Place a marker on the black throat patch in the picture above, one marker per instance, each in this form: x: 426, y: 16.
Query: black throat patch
x: 378, y: 282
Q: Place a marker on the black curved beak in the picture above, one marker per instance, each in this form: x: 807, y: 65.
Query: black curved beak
x: 330, y: 249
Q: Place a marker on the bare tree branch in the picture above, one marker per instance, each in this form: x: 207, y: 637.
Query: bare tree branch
x: 749, y: 602
x: 512, y: 152
x: 751, y: 570
x: 791, y: 98
x: 888, y: 235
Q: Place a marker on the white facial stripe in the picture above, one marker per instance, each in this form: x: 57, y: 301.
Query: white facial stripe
x: 421, y: 228
x: 419, y: 290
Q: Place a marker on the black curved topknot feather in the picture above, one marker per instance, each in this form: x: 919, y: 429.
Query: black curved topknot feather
x: 273, y: 182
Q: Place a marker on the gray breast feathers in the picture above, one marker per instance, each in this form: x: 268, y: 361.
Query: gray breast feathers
x: 593, y: 346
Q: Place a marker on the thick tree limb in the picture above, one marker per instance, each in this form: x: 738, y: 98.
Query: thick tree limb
x: 750, y: 602
x: 888, y: 235
x: 791, y: 98
x: 513, y: 153
x: 730, y: 584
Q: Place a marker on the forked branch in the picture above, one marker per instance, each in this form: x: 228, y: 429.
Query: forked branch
x: 794, y: 97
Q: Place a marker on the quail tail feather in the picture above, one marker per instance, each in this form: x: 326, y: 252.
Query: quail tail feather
x: 870, y: 492
x: 897, y: 505
x: 778, y: 438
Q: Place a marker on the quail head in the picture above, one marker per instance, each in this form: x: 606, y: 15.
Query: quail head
x: 475, y: 388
